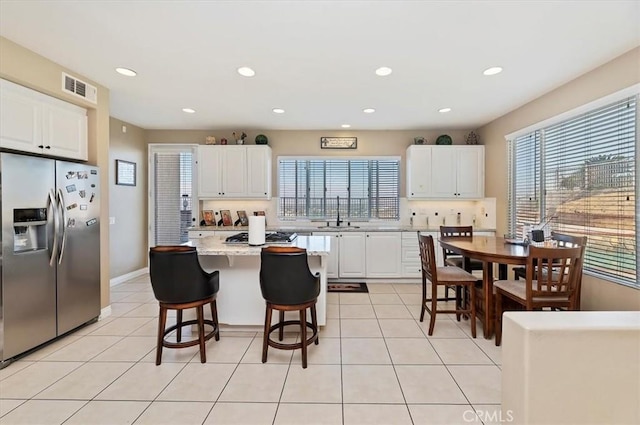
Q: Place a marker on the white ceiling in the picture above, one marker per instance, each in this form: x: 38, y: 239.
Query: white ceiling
x: 316, y: 59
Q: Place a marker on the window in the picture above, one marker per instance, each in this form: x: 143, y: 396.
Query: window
x: 580, y: 174
x: 172, y: 197
x: 359, y: 188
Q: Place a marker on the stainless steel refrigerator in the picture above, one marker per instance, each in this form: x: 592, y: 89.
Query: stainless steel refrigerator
x: 50, y: 263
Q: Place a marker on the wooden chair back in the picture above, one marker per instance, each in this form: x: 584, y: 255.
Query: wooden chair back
x: 454, y: 232
x: 428, y: 258
x: 557, y: 271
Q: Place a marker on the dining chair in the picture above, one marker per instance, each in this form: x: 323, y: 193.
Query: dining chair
x: 551, y: 282
x: 180, y: 283
x: 562, y: 240
x: 450, y: 258
x: 439, y: 276
x: 287, y: 284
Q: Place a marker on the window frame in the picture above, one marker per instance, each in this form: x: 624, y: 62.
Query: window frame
x: 630, y: 92
x: 347, y: 216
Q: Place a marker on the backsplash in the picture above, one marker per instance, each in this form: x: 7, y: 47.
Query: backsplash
x: 476, y: 213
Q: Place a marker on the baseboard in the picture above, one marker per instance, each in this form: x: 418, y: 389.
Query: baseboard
x: 125, y: 277
x: 105, y: 312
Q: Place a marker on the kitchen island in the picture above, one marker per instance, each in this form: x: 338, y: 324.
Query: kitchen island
x: 239, y: 300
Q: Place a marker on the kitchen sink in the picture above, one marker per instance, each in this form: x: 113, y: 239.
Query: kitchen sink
x: 338, y: 227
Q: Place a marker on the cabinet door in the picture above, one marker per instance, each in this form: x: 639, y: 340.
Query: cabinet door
x: 259, y: 172
x: 334, y: 254
x: 383, y: 254
x: 352, y: 254
x: 209, y: 175
x: 470, y: 172
x: 20, y: 118
x: 234, y: 172
x: 419, y: 172
x: 443, y: 172
x: 65, y: 129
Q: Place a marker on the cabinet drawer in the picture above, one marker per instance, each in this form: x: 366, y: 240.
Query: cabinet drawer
x: 411, y: 270
x: 410, y: 254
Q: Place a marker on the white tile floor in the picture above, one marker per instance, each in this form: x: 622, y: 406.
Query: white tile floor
x: 374, y: 365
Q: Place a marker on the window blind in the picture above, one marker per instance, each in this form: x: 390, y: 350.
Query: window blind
x: 581, y: 175
x: 172, y: 180
x: 359, y: 188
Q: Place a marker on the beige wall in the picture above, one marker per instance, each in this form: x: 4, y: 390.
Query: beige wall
x: 613, y: 76
x: 288, y: 142
x: 128, y: 204
x: 24, y: 67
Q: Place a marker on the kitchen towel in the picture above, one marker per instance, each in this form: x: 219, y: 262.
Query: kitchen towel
x: 257, y: 224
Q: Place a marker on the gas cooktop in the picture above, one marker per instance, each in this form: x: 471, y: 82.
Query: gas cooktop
x: 272, y: 237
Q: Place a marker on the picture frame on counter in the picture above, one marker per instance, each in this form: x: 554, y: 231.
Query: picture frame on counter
x: 226, y: 218
x: 242, y: 218
x: 208, y: 218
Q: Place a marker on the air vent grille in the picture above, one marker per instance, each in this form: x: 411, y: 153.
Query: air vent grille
x: 79, y: 88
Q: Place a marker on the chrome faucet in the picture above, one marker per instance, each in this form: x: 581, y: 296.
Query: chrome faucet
x: 338, y: 221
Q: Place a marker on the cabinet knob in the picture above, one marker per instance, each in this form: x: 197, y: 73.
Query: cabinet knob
x: 41, y: 146
x: 47, y: 147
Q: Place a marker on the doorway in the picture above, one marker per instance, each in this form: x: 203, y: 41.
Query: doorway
x: 172, y: 209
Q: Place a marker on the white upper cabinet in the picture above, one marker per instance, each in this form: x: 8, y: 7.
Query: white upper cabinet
x: 445, y: 172
x: 418, y: 172
x: 234, y: 172
x: 36, y: 123
x: 258, y: 172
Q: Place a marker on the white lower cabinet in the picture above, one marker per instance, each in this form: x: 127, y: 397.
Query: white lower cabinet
x: 411, y: 266
x: 334, y: 255
x: 383, y: 254
x: 352, y: 260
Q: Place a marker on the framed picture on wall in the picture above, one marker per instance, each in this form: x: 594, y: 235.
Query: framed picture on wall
x: 125, y: 173
x: 226, y: 218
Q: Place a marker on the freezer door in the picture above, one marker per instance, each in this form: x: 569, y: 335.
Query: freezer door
x: 78, y: 195
x: 28, y: 297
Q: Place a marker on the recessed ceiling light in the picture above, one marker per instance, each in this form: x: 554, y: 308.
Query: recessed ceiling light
x: 383, y: 71
x: 368, y: 110
x: 126, y: 71
x: 493, y: 70
x: 443, y: 110
x: 189, y: 110
x: 345, y: 125
x: 245, y: 71
x: 278, y: 110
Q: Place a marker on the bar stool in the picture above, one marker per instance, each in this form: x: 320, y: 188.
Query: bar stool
x: 451, y: 276
x: 288, y: 285
x: 180, y: 283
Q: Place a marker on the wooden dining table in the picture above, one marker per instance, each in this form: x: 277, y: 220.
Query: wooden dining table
x: 489, y: 250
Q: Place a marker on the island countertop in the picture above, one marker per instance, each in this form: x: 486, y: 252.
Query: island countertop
x: 215, y: 245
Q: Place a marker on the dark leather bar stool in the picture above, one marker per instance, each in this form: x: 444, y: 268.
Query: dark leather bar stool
x: 288, y: 285
x: 179, y: 283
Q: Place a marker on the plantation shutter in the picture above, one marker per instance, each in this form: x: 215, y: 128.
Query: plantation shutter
x: 526, y: 190
x: 172, y: 190
x: 385, y: 186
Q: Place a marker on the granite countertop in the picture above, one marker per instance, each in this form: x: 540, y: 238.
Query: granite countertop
x: 215, y: 245
x: 306, y: 229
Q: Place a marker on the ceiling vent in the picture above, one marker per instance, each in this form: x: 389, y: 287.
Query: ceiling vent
x: 79, y: 88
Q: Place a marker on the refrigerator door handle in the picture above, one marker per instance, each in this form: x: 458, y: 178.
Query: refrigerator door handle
x: 51, y: 203
x: 63, y: 224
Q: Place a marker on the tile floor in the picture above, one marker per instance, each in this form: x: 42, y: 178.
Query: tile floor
x: 374, y: 365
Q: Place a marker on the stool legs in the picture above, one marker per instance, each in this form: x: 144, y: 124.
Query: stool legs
x: 265, y: 338
x: 305, y: 339
x: 203, y: 352
x: 214, y: 317
x: 162, y: 322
